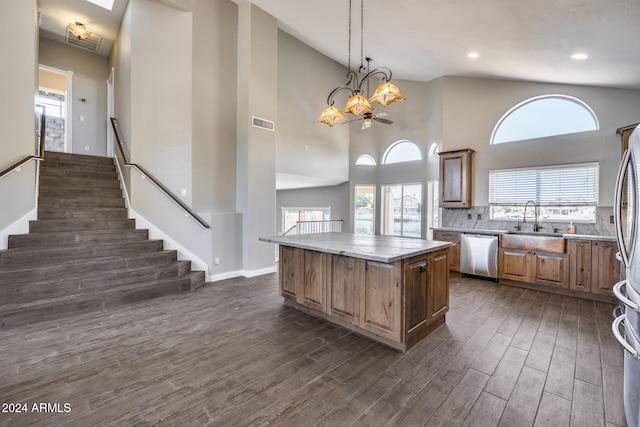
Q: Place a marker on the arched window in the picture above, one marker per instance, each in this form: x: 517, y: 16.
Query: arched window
x: 434, y: 149
x: 401, y: 151
x: 543, y: 116
x: 366, y: 159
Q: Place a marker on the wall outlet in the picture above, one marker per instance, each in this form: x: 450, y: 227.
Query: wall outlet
x: 86, y: 148
x: 468, y: 216
x: 216, y: 261
x: 612, y: 219
x: 479, y: 217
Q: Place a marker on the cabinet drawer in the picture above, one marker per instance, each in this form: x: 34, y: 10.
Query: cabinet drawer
x: 446, y: 236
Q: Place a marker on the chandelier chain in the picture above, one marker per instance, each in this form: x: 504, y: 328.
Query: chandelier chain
x: 349, y: 48
x: 361, y: 34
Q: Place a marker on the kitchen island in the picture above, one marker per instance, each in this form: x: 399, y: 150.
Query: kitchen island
x: 392, y: 289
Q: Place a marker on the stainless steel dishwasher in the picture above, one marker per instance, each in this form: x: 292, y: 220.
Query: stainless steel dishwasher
x: 479, y: 255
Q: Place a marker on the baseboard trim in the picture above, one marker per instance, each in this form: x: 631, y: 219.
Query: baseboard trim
x: 259, y: 272
x: 20, y: 226
x: 240, y: 273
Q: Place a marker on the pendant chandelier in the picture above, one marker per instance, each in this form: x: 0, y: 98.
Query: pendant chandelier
x: 358, y: 105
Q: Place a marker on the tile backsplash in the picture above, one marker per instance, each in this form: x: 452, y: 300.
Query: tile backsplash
x: 458, y: 218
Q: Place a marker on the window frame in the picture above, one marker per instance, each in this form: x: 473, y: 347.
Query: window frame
x: 402, y: 196
x: 368, y: 157
x: 394, y: 145
x: 542, y: 191
x: 521, y: 104
x: 355, y: 195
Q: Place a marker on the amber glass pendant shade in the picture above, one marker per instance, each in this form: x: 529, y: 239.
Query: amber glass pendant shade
x: 358, y: 105
x: 387, y: 93
x: 330, y: 116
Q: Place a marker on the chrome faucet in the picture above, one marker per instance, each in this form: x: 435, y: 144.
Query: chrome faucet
x: 536, y: 225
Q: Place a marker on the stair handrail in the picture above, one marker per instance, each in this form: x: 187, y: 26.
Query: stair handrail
x: 154, y: 180
x: 40, y: 156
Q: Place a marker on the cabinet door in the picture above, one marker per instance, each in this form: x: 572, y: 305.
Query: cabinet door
x: 343, y: 290
x: 454, y: 257
x: 290, y: 270
x: 514, y: 264
x: 438, y: 286
x: 550, y: 269
x: 455, y: 179
x: 580, y: 265
x: 312, y: 292
x: 416, y: 276
x: 454, y: 251
x: 606, y: 267
x: 381, y: 299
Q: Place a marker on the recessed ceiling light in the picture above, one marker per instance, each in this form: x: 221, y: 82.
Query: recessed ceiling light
x: 107, y: 4
x: 579, y: 56
x: 473, y: 55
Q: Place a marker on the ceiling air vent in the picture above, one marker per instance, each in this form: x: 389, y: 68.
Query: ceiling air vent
x: 265, y: 124
x: 91, y: 43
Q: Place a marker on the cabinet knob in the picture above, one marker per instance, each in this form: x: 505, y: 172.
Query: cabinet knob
x: 423, y: 268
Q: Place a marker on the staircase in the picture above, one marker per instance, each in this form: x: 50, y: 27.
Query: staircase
x: 83, y: 254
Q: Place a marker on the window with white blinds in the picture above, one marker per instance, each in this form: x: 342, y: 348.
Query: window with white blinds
x: 560, y: 185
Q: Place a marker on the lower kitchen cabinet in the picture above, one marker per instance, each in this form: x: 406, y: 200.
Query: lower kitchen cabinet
x: 536, y: 267
x: 594, y: 267
x: 550, y: 268
x: 454, y: 250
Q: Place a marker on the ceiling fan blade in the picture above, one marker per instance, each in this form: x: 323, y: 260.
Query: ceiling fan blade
x: 381, y: 114
x: 385, y: 121
x: 352, y: 120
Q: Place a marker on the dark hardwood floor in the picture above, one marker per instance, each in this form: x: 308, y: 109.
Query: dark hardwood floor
x: 230, y: 354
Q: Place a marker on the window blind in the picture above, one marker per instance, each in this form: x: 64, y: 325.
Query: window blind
x: 559, y: 185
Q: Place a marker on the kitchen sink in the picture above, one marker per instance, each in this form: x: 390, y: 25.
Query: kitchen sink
x: 534, y: 241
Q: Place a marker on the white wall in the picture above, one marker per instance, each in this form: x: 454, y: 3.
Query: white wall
x: 305, y: 79
x: 256, y: 148
x: 337, y: 197
x: 90, y: 72
x: 472, y: 108
x: 215, y: 69
x: 19, y: 31
x: 161, y: 93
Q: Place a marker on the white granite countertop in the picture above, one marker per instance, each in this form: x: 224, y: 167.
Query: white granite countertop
x: 471, y: 230
x: 374, y: 248
x: 597, y: 237
x: 590, y: 237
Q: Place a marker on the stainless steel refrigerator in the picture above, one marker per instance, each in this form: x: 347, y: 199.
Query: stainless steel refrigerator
x: 626, y: 326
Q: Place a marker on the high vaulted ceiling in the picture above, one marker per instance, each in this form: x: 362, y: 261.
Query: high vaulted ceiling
x: 425, y: 39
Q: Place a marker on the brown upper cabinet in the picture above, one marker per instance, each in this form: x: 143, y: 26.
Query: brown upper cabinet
x: 455, y: 179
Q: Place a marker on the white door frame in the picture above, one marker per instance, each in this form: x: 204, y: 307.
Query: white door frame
x: 110, y: 111
x: 68, y: 120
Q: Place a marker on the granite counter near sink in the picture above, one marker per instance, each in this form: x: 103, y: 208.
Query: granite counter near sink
x: 601, y: 238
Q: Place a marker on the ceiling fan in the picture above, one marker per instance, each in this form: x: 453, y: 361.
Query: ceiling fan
x: 367, y: 119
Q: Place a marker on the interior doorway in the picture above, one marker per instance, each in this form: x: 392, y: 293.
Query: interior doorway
x: 54, y: 96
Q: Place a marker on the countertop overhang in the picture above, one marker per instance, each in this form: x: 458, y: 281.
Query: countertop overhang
x: 385, y: 249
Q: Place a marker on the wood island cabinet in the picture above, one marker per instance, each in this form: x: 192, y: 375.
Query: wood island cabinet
x: 344, y: 300
x: 454, y: 250
x: 594, y: 267
x: 455, y: 179
x: 398, y: 303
